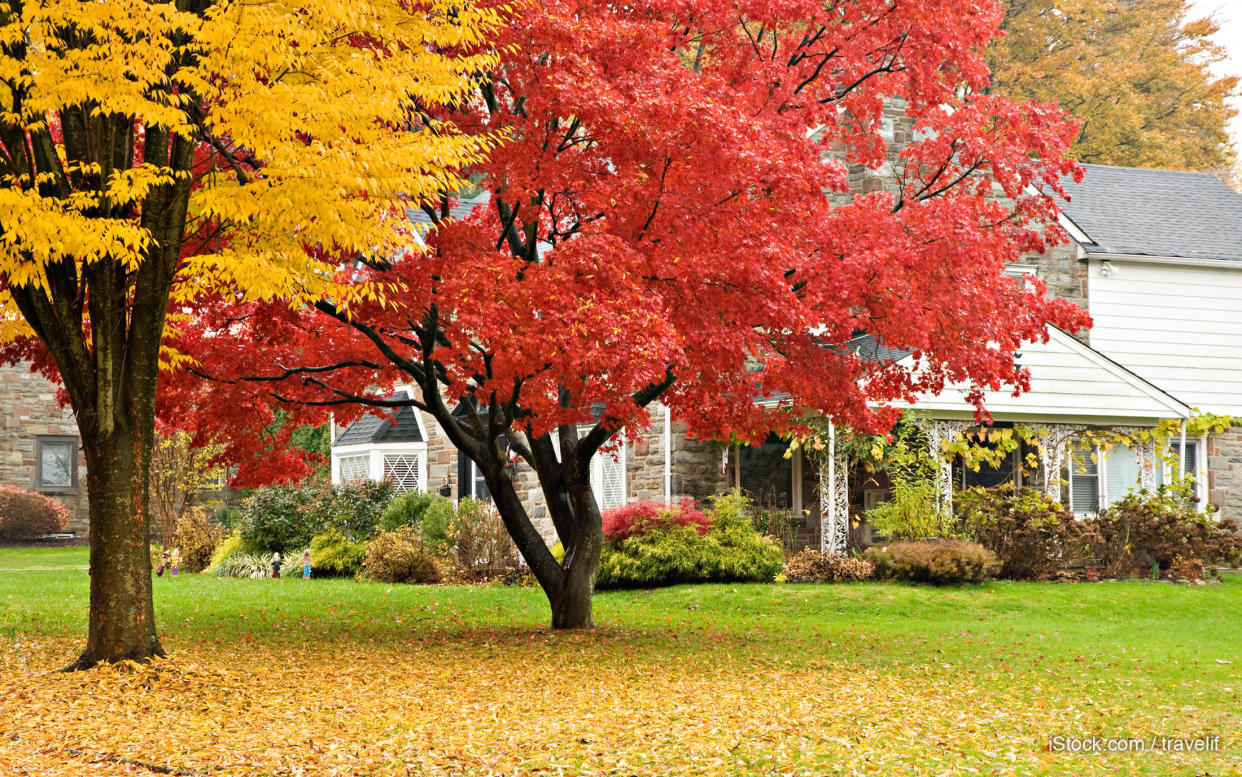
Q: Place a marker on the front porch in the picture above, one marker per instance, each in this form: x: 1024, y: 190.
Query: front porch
x: 1087, y: 438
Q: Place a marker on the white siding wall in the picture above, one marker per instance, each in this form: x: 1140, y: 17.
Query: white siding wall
x: 1178, y: 326
x: 1070, y: 384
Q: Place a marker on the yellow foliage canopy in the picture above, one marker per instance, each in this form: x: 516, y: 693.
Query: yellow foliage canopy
x: 1139, y: 76
x: 224, y: 138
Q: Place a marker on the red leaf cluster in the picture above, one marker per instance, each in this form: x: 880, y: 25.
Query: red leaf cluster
x: 626, y: 521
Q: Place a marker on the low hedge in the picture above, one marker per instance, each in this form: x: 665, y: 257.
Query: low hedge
x: 940, y: 562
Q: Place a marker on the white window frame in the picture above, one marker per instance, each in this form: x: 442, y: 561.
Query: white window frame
x: 462, y: 492
x: 1101, y: 461
x: 597, y: 474
x: 376, y: 453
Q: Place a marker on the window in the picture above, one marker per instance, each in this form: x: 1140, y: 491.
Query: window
x: 1190, y: 469
x: 1100, y: 479
x: 608, y: 479
x: 765, y: 474
x: 1084, y: 482
x: 56, y: 463
x: 471, y: 478
x: 402, y: 469
x: 355, y: 469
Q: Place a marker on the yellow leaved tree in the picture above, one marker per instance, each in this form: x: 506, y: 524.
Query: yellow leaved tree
x: 154, y: 153
x: 1138, y: 74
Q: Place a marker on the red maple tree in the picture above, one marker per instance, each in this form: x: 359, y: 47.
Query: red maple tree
x: 669, y: 216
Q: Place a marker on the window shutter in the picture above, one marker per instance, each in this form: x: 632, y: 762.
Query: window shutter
x: 465, y: 475
x: 612, y: 474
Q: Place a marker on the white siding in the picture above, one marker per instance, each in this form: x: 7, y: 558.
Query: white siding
x: 1178, y: 326
x: 1071, y: 383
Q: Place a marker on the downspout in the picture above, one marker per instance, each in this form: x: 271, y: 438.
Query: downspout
x: 668, y: 456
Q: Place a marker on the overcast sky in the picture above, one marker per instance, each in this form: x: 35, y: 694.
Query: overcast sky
x: 1228, y: 13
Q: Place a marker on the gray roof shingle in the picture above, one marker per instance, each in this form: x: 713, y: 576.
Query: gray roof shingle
x: 1130, y: 210
x: 383, y: 425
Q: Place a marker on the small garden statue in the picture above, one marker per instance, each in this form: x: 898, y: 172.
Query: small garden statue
x: 306, y: 564
x: 174, y: 560
x: 159, y: 570
x: 277, y: 561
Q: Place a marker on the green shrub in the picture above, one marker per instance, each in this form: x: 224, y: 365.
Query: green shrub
x: 274, y: 518
x: 429, y: 513
x: 400, y: 556
x: 816, y: 566
x: 353, y: 509
x: 1032, y: 535
x: 942, y: 562
x: 245, y: 565
x: 25, y: 515
x: 280, y: 518
x: 196, y: 538
x: 227, y: 547
x: 1154, y: 528
x: 482, y: 548
x: 228, y: 517
x: 334, y: 555
x: 731, y: 550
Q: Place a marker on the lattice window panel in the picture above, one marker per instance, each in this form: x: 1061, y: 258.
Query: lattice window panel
x: 608, y: 480
x: 355, y: 469
x: 402, y: 470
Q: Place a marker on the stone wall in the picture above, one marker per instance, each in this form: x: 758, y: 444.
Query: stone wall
x: 1224, y: 465
x: 30, y: 409
x: 1065, y: 274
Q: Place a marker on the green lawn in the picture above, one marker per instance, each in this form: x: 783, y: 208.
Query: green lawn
x: 741, y: 679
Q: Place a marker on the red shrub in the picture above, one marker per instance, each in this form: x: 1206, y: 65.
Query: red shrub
x: 621, y: 523
x: 25, y: 515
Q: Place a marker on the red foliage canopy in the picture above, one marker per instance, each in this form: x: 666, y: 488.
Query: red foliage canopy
x: 671, y: 216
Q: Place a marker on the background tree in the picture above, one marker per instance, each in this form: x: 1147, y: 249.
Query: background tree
x: 671, y: 208
x: 180, y: 473
x: 158, y: 151
x: 1138, y: 75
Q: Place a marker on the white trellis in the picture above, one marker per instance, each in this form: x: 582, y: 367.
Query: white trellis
x: 834, y: 498
x: 939, y: 431
x: 1053, y: 442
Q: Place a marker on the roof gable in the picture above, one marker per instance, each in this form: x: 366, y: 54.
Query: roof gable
x: 1072, y: 383
x: 383, y: 425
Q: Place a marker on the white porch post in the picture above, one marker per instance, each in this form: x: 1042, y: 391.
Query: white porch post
x: 1181, y: 454
x: 1052, y: 457
x: 834, y: 504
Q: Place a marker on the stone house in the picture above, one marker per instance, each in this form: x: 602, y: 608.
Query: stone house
x: 1155, y: 256
x: 40, y: 449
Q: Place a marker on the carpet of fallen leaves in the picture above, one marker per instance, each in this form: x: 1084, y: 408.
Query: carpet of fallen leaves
x: 534, y: 703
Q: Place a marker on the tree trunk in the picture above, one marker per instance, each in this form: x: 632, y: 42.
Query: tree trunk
x: 122, y: 612
x: 572, y: 602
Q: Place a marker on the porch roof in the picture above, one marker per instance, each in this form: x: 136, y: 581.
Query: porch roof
x: 1070, y: 383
